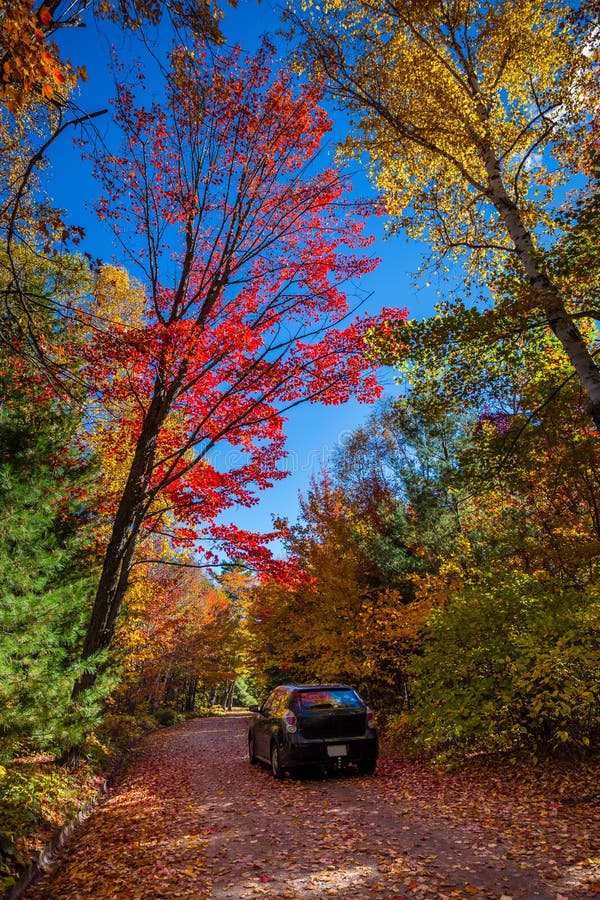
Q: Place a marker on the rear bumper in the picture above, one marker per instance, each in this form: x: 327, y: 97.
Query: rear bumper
x: 300, y: 751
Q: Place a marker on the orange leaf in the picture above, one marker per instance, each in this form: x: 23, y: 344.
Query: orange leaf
x: 45, y: 15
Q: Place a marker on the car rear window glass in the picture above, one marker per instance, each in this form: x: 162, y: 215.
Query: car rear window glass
x: 329, y: 699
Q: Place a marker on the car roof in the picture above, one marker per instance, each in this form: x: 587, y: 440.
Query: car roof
x: 317, y: 687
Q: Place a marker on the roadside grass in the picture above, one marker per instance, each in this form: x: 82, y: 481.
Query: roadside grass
x: 37, y: 798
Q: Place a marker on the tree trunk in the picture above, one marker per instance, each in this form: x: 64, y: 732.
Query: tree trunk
x: 229, y: 695
x: 118, y: 557
x: 190, y: 696
x: 559, y: 320
x: 156, y: 693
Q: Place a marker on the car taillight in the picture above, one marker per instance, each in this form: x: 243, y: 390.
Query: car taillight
x: 290, y: 721
x: 370, y: 718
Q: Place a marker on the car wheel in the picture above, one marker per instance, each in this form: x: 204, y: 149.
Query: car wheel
x: 251, y: 753
x: 276, y: 762
x: 367, y: 767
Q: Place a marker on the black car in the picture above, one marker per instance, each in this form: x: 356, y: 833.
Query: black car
x: 326, y: 725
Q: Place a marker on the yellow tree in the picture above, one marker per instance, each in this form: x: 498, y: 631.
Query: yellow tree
x: 469, y: 113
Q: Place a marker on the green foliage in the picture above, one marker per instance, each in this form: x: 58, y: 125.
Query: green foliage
x: 511, y: 661
x: 401, y: 472
x: 245, y: 693
x: 46, y: 562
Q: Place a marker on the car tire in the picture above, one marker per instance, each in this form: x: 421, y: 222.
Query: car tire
x: 367, y: 767
x: 251, y: 754
x: 276, y: 767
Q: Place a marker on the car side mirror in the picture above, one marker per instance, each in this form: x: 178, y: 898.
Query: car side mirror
x: 254, y: 708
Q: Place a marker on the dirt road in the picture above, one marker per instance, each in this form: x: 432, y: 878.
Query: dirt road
x: 191, y: 818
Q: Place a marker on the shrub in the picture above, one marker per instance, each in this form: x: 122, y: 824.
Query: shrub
x: 398, y: 732
x: 510, y: 662
x: 121, y: 731
x: 36, y: 798
x: 166, y: 716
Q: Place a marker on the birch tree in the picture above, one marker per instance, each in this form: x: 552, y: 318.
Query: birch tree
x: 472, y: 116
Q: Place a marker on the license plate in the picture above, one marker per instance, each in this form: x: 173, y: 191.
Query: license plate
x: 337, y: 750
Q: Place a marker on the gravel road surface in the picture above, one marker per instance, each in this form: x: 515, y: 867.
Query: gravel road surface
x: 191, y: 818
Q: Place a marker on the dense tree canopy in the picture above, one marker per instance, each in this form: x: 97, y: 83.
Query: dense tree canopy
x: 142, y: 400
x: 471, y: 115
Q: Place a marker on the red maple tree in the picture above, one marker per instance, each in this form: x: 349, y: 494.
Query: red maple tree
x: 243, y: 253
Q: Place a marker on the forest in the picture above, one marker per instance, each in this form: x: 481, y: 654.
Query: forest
x: 446, y: 561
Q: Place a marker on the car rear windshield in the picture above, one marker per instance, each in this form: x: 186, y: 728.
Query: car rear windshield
x: 329, y: 699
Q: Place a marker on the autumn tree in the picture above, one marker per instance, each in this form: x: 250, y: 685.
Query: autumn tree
x: 302, y: 620
x: 338, y: 610
x: 39, y: 108
x: 509, y: 652
x: 176, y: 639
x: 242, y: 254
x: 31, y: 65
x: 471, y: 116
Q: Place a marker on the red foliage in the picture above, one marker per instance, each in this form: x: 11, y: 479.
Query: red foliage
x: 243, y: 255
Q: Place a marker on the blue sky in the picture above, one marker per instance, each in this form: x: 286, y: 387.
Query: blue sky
x: 313, y: 431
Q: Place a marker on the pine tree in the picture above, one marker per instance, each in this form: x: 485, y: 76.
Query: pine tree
x: 46, y: 557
